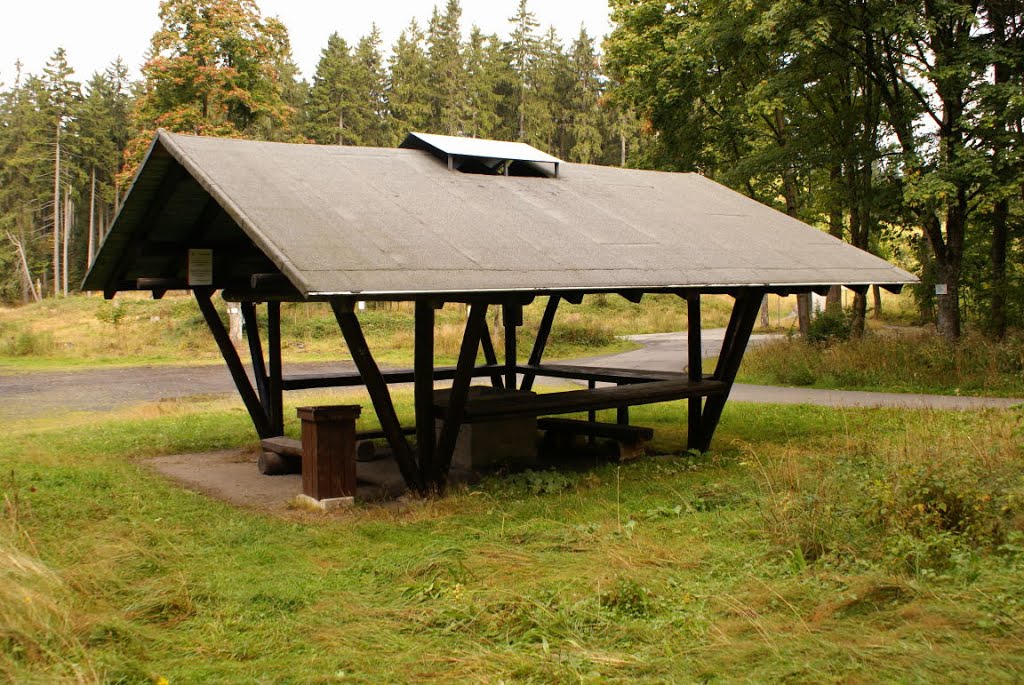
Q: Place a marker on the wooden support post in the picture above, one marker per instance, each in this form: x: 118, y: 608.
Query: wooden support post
x: 741, y: 323
x: 458, y: 395
x: 276, y: 399
x: 543, y: 331
x: 423, y: 387
x: 512, y: 315
x: 487, y: 345
x: 259, y: 366
x: 329, y: 451
x: 591, y: 415
x: 622, y: 416
x: 696, y: 369
x: 230, y: 354
x: 378, y: 390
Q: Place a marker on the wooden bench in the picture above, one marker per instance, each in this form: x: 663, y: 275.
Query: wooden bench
x: 489, y: 407
x: 625, y: 434
x: 599, y: 374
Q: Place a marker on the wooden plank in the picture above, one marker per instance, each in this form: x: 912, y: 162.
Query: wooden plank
x: 573, y: 401
x: 227, y: 350
x: 629, y: 434
x: 601, y: 374
x: 259, y: 367
x: 391, y: 376
x: 695, y: 369
x: 423, y: 389
x: 543, y: 332
x: 281, y: 445
x: 378, y: 390
x: 741, y: 323
x: 457, y: 396
x: 275, y: 384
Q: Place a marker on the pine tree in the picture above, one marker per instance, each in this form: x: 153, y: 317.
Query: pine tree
x: 371, y: 83
x: 64, y: 97
x: 331, y: 98
x: 408, y: 89
x: 523, y: 47
x: 586, y: 138
x: 446, y: 70
x: 486, y: 68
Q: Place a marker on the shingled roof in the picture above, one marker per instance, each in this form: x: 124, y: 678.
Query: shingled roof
x: 395, y: 222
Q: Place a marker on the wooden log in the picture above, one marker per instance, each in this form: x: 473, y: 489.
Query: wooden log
x: 378, y: 391
x: 695, y: 369
x: 457, y: 396
x: 329, y: 451
x: 227, y: 350
x: 543, y: 331
x: 423, y: 388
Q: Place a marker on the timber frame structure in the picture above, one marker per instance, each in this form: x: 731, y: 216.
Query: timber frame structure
x: 237, y: 216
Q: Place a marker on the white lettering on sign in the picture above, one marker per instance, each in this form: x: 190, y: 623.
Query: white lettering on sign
x: 940, y: 288
x: 200, y: 267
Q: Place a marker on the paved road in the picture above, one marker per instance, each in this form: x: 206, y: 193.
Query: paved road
x: 45, y: 392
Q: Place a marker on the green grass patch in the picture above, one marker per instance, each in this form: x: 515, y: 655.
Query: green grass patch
x: 812, y: 545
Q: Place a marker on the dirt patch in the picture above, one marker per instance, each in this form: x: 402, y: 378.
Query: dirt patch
x: 232, y: 476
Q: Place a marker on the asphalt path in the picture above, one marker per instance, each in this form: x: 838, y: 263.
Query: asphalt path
x: 42, y: 393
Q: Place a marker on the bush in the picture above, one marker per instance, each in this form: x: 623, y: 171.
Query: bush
x: 829, y: 327
x: 27, y: 344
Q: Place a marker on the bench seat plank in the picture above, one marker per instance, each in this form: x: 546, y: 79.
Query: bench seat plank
x: 601, y: 374
x: 627, y: 434
x: 497, y: 406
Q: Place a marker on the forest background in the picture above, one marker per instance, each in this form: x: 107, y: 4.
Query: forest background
x: 894, y: 126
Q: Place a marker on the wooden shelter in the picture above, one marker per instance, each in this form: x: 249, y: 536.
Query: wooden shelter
x: 457, y: 220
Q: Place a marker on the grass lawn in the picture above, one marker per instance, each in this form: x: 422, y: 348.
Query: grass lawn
x: 812, y: 545
x: 134, y: 330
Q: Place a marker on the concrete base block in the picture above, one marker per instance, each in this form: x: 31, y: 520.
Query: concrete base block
x: 329, y: 504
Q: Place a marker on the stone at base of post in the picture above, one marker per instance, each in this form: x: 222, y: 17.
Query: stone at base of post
x: 329, y: 504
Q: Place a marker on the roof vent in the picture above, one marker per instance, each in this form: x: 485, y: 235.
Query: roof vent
x: 479, y: 156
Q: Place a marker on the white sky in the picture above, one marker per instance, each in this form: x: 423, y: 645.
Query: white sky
x: 95, y: 33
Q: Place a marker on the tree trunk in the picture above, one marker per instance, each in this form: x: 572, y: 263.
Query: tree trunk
x: 857, y: 314
x: 765, y: 321
x: 92, y: 220
x: 56, y: 215
x: 803, y: 313
x: 947, y: 303
x: 64, y: 241
x: 877, y: 294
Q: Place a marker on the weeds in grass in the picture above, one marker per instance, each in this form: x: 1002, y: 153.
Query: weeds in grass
x: 921, y: 503
x: 913, y: 361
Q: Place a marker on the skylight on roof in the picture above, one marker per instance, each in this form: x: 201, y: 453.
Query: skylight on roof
x: 477, y: 155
